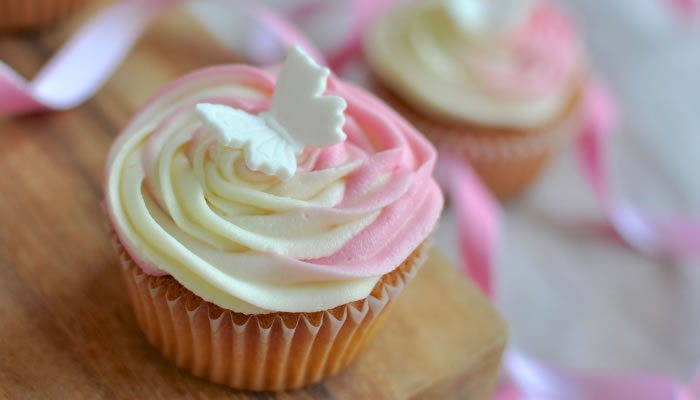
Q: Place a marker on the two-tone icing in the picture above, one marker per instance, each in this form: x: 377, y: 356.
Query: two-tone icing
x: 507, y: 63
x: 187, y: 197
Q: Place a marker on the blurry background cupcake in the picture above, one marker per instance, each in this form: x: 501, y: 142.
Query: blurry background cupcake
x: 497, y: 82
x: 18, y: 15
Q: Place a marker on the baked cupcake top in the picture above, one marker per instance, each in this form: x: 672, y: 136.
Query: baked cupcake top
x: 264, y: 196
x: 506, y: 63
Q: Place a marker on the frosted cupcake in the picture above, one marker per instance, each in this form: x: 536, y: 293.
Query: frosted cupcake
x: 498, y: 82
x: 32, y: 14
x: 264, y: 225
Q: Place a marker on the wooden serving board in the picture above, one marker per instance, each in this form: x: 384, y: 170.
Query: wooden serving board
x: 66, y: 328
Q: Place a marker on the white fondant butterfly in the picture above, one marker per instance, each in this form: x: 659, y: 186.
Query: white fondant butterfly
x: 299, y: 116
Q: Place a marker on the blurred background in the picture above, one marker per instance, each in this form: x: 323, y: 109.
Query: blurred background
x: 571, y: 292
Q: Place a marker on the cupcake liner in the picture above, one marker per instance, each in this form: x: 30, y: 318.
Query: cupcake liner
x: 507, y: 160
x: 31, y: 14
x: 266, y: 352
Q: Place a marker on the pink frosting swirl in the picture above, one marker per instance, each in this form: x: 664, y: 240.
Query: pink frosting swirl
x: 543, y: 53
x: 384, y: 167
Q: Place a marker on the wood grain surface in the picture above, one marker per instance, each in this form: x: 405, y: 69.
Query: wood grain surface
x: 66, y: 327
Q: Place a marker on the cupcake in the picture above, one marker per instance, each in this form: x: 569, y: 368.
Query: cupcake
x: 497, y: 82
x: 32, y: 14
x: 265, y: 224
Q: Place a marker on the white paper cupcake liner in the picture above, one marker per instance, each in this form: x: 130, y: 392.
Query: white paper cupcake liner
x: 267, y: 352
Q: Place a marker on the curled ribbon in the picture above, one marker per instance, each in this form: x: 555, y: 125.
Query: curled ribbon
x: 671, y: 236
x: 687, y: 8
x: 81, y: 67
x: 478, y: 220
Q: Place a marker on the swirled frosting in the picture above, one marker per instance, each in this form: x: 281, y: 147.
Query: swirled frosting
x: 183, y: 204
x: 516, y: 71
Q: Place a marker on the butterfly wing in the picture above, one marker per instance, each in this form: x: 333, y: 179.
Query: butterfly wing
x: 263, y: 148
x: 300, y: 116
x: 298, y: 104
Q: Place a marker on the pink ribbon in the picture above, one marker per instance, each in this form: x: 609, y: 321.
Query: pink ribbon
x: 478, y: 221
x: 670, y: 236
x: 84, y: 63
x: 362, y: 13
x: 82, y: 66
x: 686, y: 8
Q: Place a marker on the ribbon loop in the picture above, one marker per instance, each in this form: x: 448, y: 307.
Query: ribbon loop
x: 82, y: 66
